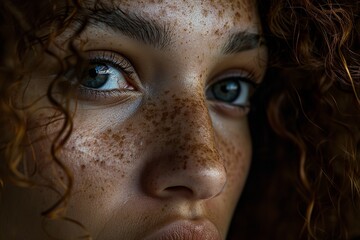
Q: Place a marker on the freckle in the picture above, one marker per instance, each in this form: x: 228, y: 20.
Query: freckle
x: 83, y: 167
x: 205, y: 12
x: 221, y: 13
x: 116, y: 137
x: 164, y: 115
x: 167, y: 129
x: 105, y: 137
x: 237, y: 16
x: 155, y: 123
x: 185, y: 165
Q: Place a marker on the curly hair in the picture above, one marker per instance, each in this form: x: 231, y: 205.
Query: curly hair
x: 307, y: 167
x: 305, y: 177
x: 19, y: 36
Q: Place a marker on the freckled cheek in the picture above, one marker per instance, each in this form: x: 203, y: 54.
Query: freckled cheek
x: 103, y: 165
x: 236, y: 153
x: 95, y: 159
x: 108, y: 154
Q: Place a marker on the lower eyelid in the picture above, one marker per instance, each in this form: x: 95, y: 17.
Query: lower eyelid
x: 88, y: 98
x: 85, y: 92
x: 229, y: 110
x: 88, y: 94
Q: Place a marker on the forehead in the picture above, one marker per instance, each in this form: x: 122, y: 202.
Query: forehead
x: 193, y: 14
x: 214, y: 3
x: 218, y: 5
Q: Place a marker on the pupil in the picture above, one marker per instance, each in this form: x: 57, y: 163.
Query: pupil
x: 92, y: 72
x: 227, y: 90
x: 96, y: 77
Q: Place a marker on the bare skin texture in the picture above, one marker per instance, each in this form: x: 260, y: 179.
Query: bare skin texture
x: 153, y: 149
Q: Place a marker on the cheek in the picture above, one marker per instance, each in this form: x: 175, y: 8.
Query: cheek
x: 103, y: 164
x: 236, y: 151
x: 102, y: 160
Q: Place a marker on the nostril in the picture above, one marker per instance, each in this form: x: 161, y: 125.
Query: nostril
x: 165, y: 176
x: 178, y: 191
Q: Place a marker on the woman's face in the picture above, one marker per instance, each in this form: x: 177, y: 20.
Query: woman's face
x: 160, y: 147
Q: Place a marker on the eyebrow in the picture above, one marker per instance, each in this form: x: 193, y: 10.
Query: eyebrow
x: 158, y: 34
x: 137, y: 27
x: 242, y: 41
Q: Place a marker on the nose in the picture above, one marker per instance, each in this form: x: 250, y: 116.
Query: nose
x: 184, y: 161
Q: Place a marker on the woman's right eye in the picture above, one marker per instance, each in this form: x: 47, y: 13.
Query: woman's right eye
x: 107, y: 75
x: 104, y: 77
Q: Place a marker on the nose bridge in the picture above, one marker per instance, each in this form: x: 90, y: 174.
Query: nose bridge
x: 192, y: 122
x: 186, y: 126
x: 187, y: 159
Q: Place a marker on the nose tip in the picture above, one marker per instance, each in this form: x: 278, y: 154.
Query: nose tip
x: 193, y: 178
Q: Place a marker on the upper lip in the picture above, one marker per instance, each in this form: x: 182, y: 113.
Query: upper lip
x: 187, y: 230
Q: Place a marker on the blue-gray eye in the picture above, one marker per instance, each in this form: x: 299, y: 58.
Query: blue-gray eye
x: 232, y: 90
x: 102, y: 76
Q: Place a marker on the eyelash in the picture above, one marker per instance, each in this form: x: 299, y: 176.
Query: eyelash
x: 112, y: 59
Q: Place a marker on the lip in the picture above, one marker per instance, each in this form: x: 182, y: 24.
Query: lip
x: 187, y: 230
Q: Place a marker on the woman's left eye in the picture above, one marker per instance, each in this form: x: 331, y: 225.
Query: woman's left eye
x: 232, y: 90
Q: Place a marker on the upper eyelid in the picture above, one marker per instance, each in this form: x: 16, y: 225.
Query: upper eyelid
x: 124, y: 65
x: 108, y: 56
x: 117, y: 59
x: 247, y: 76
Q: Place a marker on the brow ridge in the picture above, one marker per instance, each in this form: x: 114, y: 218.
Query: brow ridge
x: 158, y: 34
x: 242, y: 41
x: 148, y: 31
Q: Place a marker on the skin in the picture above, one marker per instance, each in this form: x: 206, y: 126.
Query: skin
x: 157, y: 154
